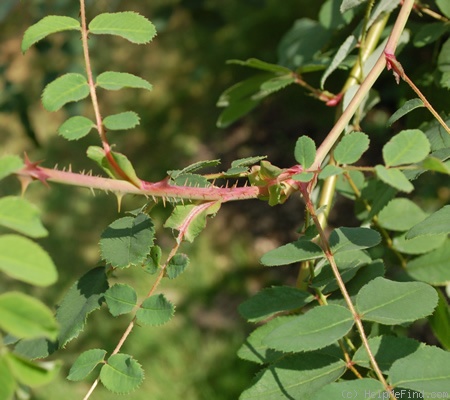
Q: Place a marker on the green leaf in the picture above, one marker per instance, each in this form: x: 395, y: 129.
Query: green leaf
x: 386, y: 349
x: 302, y: 177
x: 7, y: 381
x: 31, y: 373
x: 427, y: 370
x: 151, y: 265
x: 301, y: 250
x: 400, y: 215
x: 118, y: 80
x: 127, y: 241
x: 358, y: 389
x: 9, y: 164
x: 26, y: 317
x: 274, y: 85
x: 394, y: 178
x: 298, y: 376
x: 85, y: 364
x: 343, y: 186
x: 407, y: 147
x: 348, y: 263
x: 247, y: 162
x: 261, y: 65
x: 19, y: 214
x: 330, y: 170
x: 196, y: 220
x: 155, y: 310
x: 429, y: 33
x: 22, y: 259
x: 75, y: 128
x: 121, y: 299
x: 434, y: 164
x: 436, y: 223
x: 177, y: 264
x: 46, y: 26
x: 121, y: 121
x: 444, y: 6
x: 318, y: 328
x: 85, y: 296
x: 254, y: 350
x: 391, y: 303
x: 440, y: 321
x: 65, y: 89
x: 305, y: 151
x: 418, y: 245
x: 273, y: 300
x: 351, y: 147
x: 128, y: 25
x: 193, y: 167
x: 405, y: 109
x: 98, y: 155
x: 349, y: 4
x: 433, y: 267
x: 191, y: 180
x: 122, y: 374
x: 349, y: 239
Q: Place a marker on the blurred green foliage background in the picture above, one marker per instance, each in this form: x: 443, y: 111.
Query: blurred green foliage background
x: 194, y: 356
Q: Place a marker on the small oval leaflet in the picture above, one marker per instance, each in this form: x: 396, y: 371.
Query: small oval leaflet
x: 122, y: 374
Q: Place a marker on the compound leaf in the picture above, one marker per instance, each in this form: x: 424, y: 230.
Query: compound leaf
x: 85, y: 364
x: 407, y: 147
x: 155, y: 310
x: 128, y: 25
x: 390, y: 303
x: 351, y: 147
x: 409, y: 372
x: 120, y: 298
x: 318, y: 328
x: 75, y: 128
x: 26, y: 317
x: 121, y: 121
x: 305, y: 151
x: 127, y: 241
x: 298, y: 376
x: 122, y: 374
x: 65, y: 89
x: 118, y: 80
x: 46, y: 26
x: 22, y: 259
x: 85, y: 296
x: 436, y: 223
x: 19, y: 214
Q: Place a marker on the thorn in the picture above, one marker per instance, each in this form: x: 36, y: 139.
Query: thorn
x: 164, y: 201
x: 89, y: 172
x: 24, y: 182
x: 119, y: 197
x: 92, y: 191
x: 182, y: 201
x: 70, y: 167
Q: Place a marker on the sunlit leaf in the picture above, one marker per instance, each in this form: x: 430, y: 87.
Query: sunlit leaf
x: 155, y: 310
x: 351, y: 147
x: 85, y: 364
x: 358, y: 389
x: 26, y: 317
x: 128, y: 25
x: 121, y: 121
x: 127, y: 241
x: 407, y: 147
x: 22, y: 216
x: 118, y: 80
x: 395, y: 178
x: 330, y: 170
x: 122, y: 374
x: 390, y: 303
x: 120, y: 298
x: 301, y: 250
x: 436, y: 223
x: 400, y: 214
x: 75, y: 128
x: 46, y: 26
x: 349, y: 239
x: 444, y: 6
x: 193, y: 167
x: 305, y: 151
x: 418, y: 245
x: 65, y: 89
x: 7, y: 381
x: 318, y: 328
x: 22, y: 259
